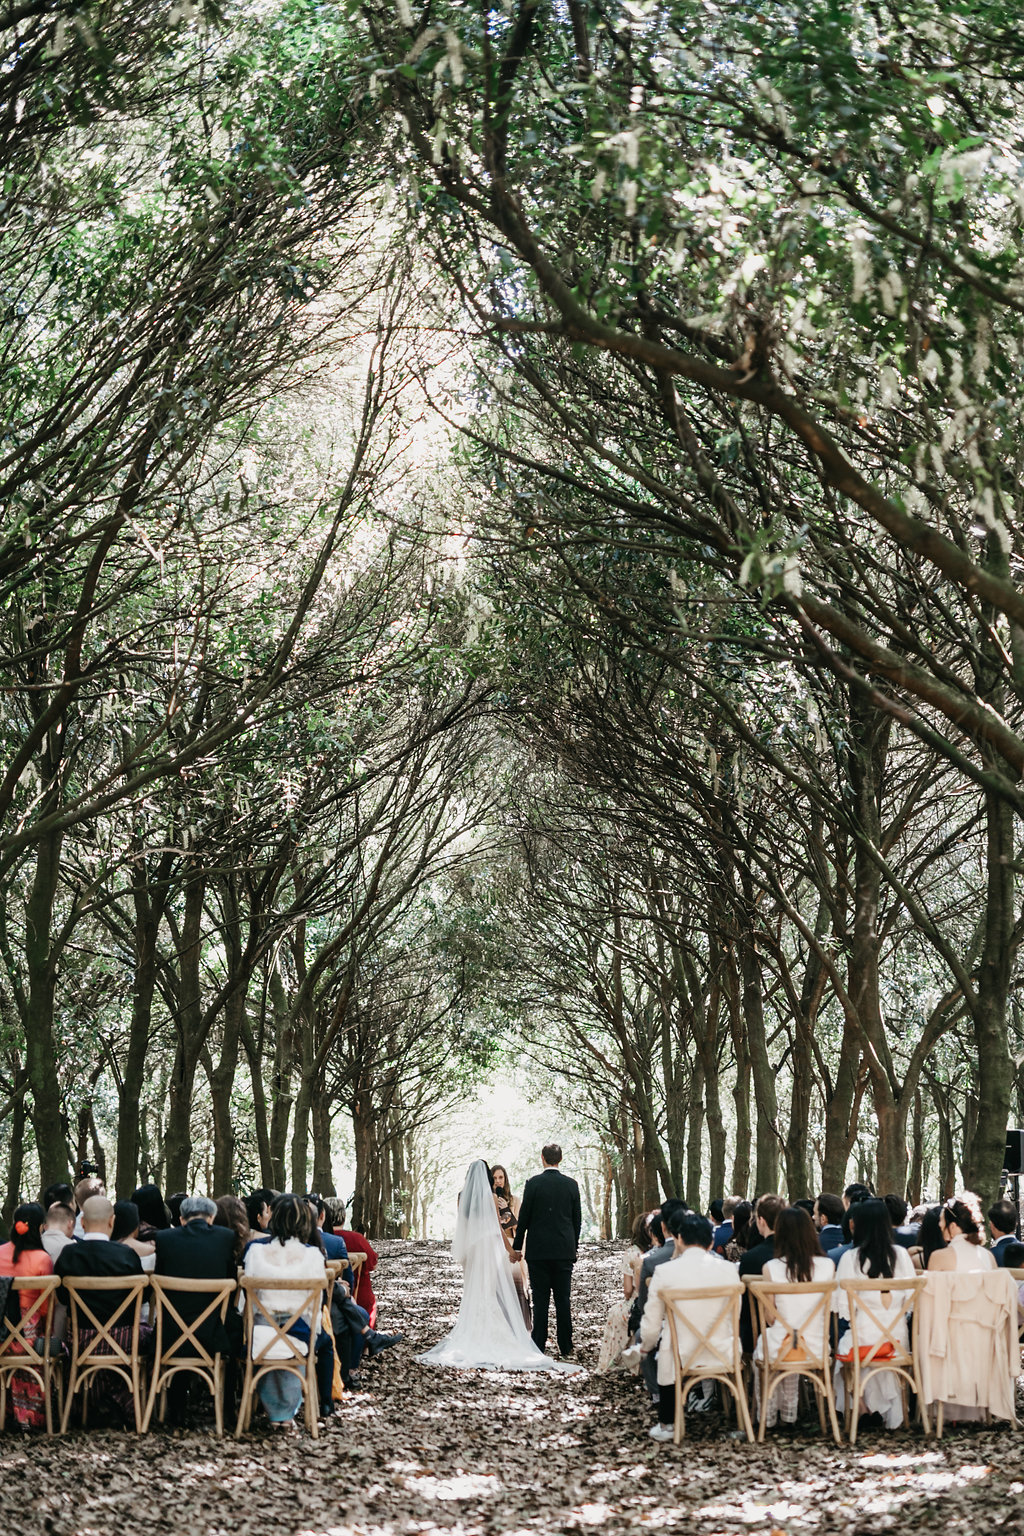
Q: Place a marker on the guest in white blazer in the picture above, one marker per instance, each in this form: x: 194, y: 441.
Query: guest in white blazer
x: 693, y: 1267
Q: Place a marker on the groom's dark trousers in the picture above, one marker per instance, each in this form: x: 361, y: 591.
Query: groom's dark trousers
x: 549, y: 1223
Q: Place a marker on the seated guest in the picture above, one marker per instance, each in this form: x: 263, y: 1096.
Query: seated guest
x: 929, y: 1237
x: 744, y: 1232
x: 766, y: 1213
x: 692, y: 1267
x: 796, y: 1258
x: 231, y: 1213
x: 716, y: 1213
x: 828, y: 1218
x: 1002, y: 1221
x: 904, y: 1233
x: 26, y: 1255
x: 874, y: 1256
x: 661, y: 1251
x: 59, y: 1229
x: 174, y: 1207
x: 724, y: 1229
x: 84, y: 1190
x: 357, y: 1242
x: 96, y: 1257
x: 353, y: 1331
x: 854, y: 1192
x: 257, y: 1208
x: 616, y: 1328
x: 154, y: 1216
x: 126, y: 1231
x: 292, y: 1253
x: 199, y: 1250
x: 962, y: 1237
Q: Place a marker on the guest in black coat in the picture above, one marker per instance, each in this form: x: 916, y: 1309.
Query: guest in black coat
x: 766, y: 1214
x: 197, y: 1250
x: 96, y: 1257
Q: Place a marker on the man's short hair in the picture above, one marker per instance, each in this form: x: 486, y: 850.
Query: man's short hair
x: 316, y: 1201
x: 855, y: 1192
x: 335, y: 1210
x: 831, y: 1207
x: 196, y: 1205
x: 897, y: 1208
x: 770, y: 1208
x: 1003, y: 1216
x: 60, y: 1214
x: 717, y: 1209
x: 693, y: 1229
x: 729, y: 1205
x: 552, y: 1154
x: 1013, y: 1255
x: 85, y: 1188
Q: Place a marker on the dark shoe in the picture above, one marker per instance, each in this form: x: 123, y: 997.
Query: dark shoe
x: 353, y: 1382
x: 379, y: 1341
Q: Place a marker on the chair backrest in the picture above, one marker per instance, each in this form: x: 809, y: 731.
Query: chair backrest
x: 168, y: 1293
x: 13, y: 1335
x: 260, y: 1312
x: 356, y: 1260
x: 694, y: 1345
x: 896, y: 1297
x: 821, y: 1294
x: 126, y: 1314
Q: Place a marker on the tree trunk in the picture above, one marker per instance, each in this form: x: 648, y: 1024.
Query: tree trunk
x: 323, y: 1164
x: 178, y: 1134
x: 983, y: 1156
x: 766, y: 1140
x: 40, y: 1041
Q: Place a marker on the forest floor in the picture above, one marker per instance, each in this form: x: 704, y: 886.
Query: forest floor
x: 426, y: 1452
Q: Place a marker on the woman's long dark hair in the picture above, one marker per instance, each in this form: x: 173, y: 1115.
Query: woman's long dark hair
x: 152, y: 1211
x: 231, y: 1213
x: 30, y: 1216
x: 744, y: 1228
x: 796, y: 1243
x: 872, y: 1234
x: 126, y: 1220
x: 292, y: 1216
x: 930, y: 1234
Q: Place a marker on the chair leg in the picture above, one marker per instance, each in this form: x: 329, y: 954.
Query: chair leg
x: 218, y: 1395
x: 242, y: 1422
x: 763, y: 1423
x: 742, y: 1407
x: 678, y: 1425
x: 154, y: 1386
x: 830, y: 1400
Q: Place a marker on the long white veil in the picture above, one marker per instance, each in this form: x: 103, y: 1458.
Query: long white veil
x: 489, y: 1333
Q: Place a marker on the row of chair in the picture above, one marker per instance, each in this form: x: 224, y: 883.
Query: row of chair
x: 113, y: 1343
x: 697, y: 1357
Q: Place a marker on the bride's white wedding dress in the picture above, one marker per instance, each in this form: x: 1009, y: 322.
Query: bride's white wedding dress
x: 489, y: 1332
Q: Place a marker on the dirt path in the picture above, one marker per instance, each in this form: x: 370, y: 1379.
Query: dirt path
x: 461, y: 1453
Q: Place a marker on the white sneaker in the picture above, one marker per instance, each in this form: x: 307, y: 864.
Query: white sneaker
x: 662, y: 1432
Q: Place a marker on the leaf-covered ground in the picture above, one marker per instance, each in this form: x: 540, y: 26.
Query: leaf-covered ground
x: 459, y: 1453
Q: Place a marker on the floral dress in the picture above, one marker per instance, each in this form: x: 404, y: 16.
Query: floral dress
x: 616, y: 1328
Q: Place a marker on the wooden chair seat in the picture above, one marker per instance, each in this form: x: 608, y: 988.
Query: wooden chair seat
x: 695, y: 1354
x: 34, y: 1358
x: 184, y: 1351
x: 278, y: 1350
x: 100, y: 1351
x: 902, y: 1362
x: 803, y: 1358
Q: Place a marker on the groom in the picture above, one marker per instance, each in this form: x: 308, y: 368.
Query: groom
x: 550, y: 1221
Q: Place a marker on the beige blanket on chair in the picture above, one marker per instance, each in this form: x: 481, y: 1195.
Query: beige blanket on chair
x: 967, y: 1340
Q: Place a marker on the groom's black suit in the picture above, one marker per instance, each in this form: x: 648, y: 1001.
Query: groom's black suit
x: 549, y: 1222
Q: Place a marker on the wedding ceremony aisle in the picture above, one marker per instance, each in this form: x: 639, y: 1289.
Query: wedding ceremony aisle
x: 427, y: 1451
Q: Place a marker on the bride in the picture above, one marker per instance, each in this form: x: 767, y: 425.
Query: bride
x: 489, y: 1332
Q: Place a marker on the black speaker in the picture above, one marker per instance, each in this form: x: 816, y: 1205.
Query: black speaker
x: 1014, y: 1152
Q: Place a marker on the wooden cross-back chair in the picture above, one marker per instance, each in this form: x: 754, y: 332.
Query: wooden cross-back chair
x: 101, y: 1351
x: 334, y: 1272
x: 895, y: 1299
x: 185, y: 1351
x: 697, y: 1357
x: 32, y: 1358
x: 800, y: 1357
x: 295, y: 1356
